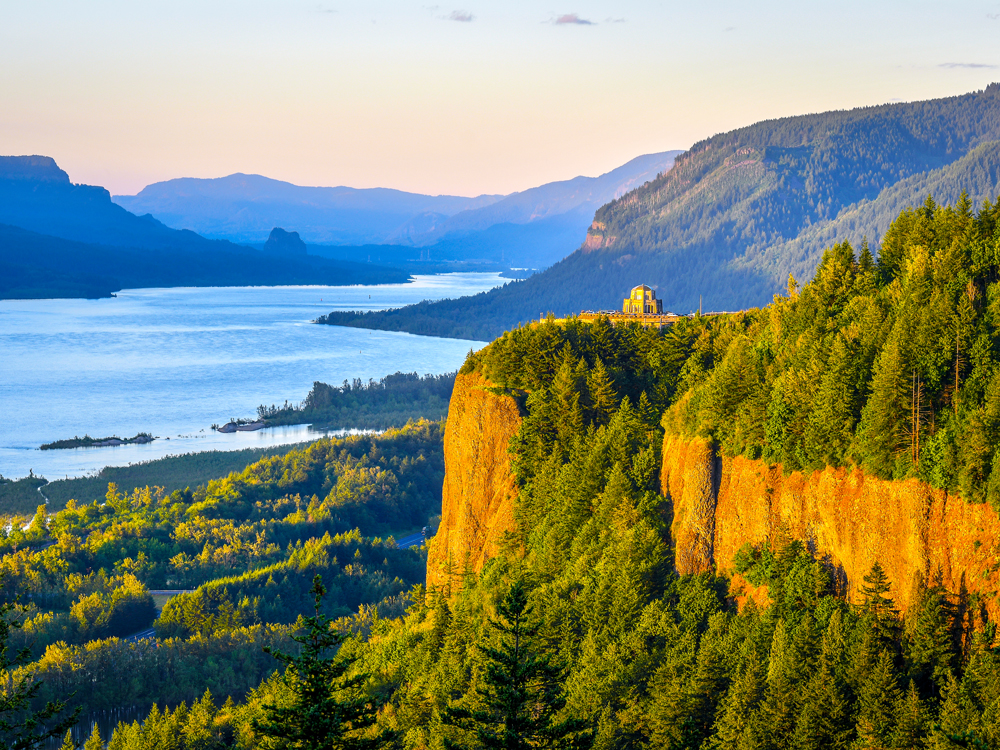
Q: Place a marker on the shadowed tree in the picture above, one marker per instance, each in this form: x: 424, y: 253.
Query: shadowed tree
x: 328, y: 710
x: 521, y: 691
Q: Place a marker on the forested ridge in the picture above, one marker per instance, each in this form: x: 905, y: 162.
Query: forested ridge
x: 886, y: 363
x: 889, y: 365
x: 37, y: 266
x: 740, y: 211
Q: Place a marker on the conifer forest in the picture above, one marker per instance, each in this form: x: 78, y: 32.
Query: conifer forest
x: 301, y: 622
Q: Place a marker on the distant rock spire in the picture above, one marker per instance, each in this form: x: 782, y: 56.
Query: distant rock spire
x: 284, y: 243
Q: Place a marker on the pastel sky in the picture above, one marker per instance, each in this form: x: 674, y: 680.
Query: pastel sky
x: 483, y: 97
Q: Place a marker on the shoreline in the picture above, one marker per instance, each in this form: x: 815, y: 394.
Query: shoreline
x: 61, y: 465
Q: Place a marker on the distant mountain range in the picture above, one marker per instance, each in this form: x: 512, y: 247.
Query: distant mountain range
x: 535, y: 227
x: 245, y: 207
x: 740, y: 211
x: 58, y: 239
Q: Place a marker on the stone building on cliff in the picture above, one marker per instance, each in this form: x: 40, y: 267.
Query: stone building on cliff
x: 642, y: 301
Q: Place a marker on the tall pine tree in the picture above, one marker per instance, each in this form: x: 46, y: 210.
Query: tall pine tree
x: 327, y: 710
x: 521, y: 693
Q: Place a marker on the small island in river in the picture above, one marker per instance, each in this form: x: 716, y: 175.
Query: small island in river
x: 88, y: 442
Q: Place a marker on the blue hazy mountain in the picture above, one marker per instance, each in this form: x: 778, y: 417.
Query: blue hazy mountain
x: 575, y: 197
x: 35, y: 194
x: 37, y: 266
x: 58, y: 239
x: 534, y: 227
x: 245, y: 207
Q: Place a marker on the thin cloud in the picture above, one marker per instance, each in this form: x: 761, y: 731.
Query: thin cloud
x: 993, y: 16
x: 966, y: 65
x: 571, y: 19
x: 461, y: 15
x: 614, y: 20
x: 730, y: 28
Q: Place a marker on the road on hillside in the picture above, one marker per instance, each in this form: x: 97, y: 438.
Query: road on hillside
x: 148, y: 634
x: 413, y: 540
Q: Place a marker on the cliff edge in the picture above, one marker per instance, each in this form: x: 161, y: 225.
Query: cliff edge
x: 477, y: 505
x: 722, y: 503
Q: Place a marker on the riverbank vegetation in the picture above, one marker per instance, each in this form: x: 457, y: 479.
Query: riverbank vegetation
x: 247, y: 544
x: 376, y: 405
x: 171, y: 473
x: 19, y: 497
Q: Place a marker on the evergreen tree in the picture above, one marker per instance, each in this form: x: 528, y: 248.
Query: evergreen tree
x: 880, y: 608
x: 327, y: 710
x: 739, y: 723
x: 68, y: 743
x: 567, y: 413
x: 781, y: 705
x: 911, y: 720
x: 603, y: 399
x: 442, y: 621
x: 520, y: 694
x: 824, y: 721
x: 930, y: 649
x: 200, y: 732
x: 957, y: 720
x: 878, y: 704
x: 647, y: 413
x: 881, y: 434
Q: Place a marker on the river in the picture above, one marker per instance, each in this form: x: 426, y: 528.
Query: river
x: 173, y: 362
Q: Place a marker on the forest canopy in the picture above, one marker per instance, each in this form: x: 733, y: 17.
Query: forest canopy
x: 887, y: 362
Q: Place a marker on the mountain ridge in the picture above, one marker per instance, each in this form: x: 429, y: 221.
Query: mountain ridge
x: 740, y: 211
x: 59, y: 239
x: 245, y: 207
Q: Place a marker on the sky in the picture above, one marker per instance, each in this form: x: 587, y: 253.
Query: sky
x: 481, y: 97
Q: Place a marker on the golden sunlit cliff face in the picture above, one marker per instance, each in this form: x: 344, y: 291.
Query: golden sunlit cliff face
x: 477, y: 505
x: 720, y: 504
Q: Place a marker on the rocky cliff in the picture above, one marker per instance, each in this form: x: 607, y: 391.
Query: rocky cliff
x: 477, y: 504
x: 720, y: 504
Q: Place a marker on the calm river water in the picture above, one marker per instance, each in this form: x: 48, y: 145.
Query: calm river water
x: 174, y: 361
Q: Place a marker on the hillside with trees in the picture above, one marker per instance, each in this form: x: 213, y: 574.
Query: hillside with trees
x: 578, y: 631
x: 740, y: 211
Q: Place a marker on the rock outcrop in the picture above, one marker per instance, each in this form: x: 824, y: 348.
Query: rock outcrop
x: 720, y: 504
x: 281, y: 242
x: 477, y: 505
x: 32, y: 168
